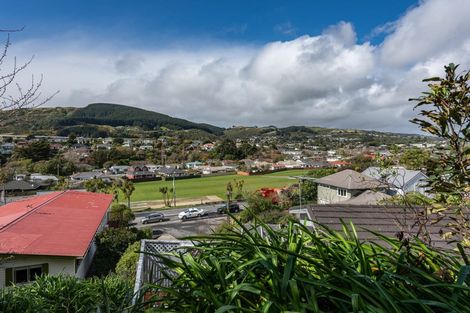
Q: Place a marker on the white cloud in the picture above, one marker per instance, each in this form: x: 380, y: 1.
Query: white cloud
x: 328, y: 79
x: 426, y: 31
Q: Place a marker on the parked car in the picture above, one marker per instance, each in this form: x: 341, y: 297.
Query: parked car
x: 233, y: 208
x: 156, y: 233
x: 192, y: 212
x: 152, y: 218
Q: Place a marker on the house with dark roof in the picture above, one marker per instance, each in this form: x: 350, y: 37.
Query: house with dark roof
x: 171, y: 172
x: 399, y: 179
x: 20, y: 187
x: 344, y: 185
x: 386, y: 220
x: 50, y: 234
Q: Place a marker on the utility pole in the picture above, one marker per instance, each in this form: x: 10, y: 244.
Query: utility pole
x: 174, y: 190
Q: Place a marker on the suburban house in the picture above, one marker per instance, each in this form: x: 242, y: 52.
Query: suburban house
x: 208, y: 170
x: 139, y: 172
x: 84, y: 176
x: 19, y: 187
x: 7, y: 148
x: 193, y: 165
x: 386, y: 220
x: 40, y: 178
x: 119, y: 169
x: 344, y: 185
x: 153, y: 167
x: 208, y: 146
x: 171, y: 172
x: 399, y: 179
x: 50, y: 234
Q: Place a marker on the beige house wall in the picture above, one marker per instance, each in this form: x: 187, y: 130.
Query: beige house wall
x: 57, y: 265
x: 329, y: 194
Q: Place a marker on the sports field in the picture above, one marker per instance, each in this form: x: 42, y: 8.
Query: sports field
x: 214, y: 185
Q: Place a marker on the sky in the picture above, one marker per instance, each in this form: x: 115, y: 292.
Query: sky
x: 347, y: 64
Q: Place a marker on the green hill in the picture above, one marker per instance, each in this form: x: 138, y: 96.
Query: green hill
x: 96, y: 120
x: 122, y: 115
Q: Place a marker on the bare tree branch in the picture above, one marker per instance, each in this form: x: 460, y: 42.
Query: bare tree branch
x: 13, y: 96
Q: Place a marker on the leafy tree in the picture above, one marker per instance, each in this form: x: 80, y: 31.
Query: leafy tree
x: 264, y: 209
x: 227, y: 149
x: 309, y: 191
x: 118, y: 141
x: 72, y: 139
x: 56, y: 166
x: 99, y: 157
x: 97, y: 185
x: 445, y: 113
x: 246, y: 150
x: 321, y: 172
x: 35, y: 151
x: 111, y: 243
x: 120, y: 215
x: 361, y: 162
x: 239, y: 188
x: 415, y: 159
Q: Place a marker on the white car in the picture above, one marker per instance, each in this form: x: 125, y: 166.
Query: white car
x: 192, y: 212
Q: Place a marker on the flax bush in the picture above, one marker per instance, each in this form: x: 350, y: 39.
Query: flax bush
x: 296, y: 269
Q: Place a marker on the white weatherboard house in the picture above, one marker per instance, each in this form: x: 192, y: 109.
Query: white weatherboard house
x: 399, y: 179
x: 50, y: 234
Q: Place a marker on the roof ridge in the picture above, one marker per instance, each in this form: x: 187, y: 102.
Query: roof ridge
x: 7, y: 225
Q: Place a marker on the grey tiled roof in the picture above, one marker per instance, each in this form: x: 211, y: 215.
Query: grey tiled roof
x: 368, y: 197
x: 19, y: 185
x: 351, y: 180
x: 386, y: 220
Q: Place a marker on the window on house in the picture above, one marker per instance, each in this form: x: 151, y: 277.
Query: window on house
x: 26, y: 274
x: 342, y: 192
x: 34, y: 272
x: 21, y: 276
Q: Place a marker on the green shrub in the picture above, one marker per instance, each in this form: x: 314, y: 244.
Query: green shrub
x: 111, y: 243
x: 127, y: 265
x: 63, y: 294
x: 298, y: 270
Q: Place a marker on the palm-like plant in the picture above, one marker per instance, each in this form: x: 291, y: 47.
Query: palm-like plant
x: 127, y: 188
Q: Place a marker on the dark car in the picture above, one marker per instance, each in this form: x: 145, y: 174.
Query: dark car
x: 233, y: 208
x: 157, y: 233
x: 152, y: 218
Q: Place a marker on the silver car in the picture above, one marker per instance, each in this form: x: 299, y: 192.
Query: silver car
x: 153, y: 218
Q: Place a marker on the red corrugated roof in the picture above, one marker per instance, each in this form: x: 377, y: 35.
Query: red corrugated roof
x: 60, y: 223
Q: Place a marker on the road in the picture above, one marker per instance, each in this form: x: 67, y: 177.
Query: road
x: 195, y: 226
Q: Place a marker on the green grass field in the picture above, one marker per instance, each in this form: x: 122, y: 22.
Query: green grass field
x: 212, y: 186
